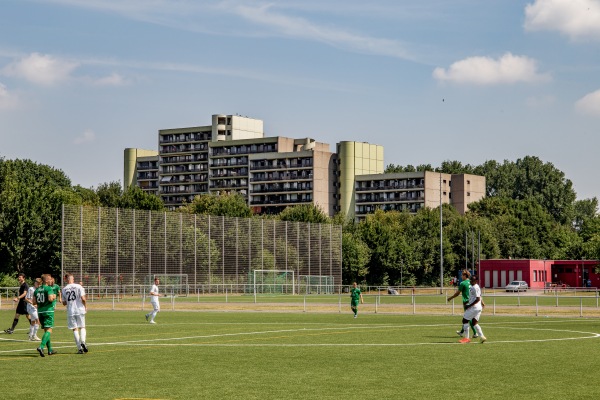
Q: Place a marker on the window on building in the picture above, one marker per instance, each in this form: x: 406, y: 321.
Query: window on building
x: 468, y: 193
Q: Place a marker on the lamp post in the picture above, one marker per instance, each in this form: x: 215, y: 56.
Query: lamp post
x: 441, y: 242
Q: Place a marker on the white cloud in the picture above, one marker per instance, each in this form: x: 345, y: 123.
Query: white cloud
x: 113, y: 79
x: 589, y: 104
x: 7, y: 99
x: 577, y: 19
x: 300, y: 28
x: 507, y: 69
x: 86, y: 137
x: 41, y: 69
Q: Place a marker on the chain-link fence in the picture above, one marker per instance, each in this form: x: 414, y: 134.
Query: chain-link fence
x: 124, y: 249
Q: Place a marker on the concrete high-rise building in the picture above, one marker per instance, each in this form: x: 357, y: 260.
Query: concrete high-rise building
x: 411, y: 191
x: 233, y: 155
x: 355, y: 159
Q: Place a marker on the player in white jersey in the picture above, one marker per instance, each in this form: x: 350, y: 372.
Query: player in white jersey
x: 154, y: 295
x: 473, y: 311
x: 32, y: 310
x: 73, y: 296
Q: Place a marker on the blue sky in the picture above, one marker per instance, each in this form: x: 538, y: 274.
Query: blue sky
x: 431, y: 80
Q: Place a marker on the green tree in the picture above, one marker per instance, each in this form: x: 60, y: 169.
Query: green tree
x: 304, y: 213
x: 136, y: 198
x: 110, y: 194
x: 31, y: 197
x: 355, y: 257
x: 228, y: 205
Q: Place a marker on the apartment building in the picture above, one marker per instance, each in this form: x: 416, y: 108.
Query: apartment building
x: 274, y: 172
x: 411, y: 191
x: 216, y: 159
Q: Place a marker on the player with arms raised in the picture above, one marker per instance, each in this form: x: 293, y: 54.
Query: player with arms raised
x: 73, y: 296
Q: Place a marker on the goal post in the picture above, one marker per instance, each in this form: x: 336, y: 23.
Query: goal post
x: 172, y: 284
x: 273, y: 281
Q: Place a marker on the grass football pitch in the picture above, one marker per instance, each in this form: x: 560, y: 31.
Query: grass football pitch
x: 260, y: 355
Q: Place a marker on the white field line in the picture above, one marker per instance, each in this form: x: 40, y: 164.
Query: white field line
x: 156, y: 341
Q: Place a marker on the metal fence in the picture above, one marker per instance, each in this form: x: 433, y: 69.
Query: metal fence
x: 121, y: 248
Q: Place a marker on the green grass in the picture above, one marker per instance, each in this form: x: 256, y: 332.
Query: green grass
x: 261, y: 355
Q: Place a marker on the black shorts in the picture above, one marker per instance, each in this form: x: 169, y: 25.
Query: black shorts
x: 22, y: 308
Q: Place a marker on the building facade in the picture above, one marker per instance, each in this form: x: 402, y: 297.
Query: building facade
x: 274, y: 172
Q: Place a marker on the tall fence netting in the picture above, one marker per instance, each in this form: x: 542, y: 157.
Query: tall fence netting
x: 120, y: 249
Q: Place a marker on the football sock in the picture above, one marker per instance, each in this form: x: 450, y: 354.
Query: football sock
x: 82, y: 334
x: 30, y: 330
x: 35, y: 330
x: 76, y: 336
x: 466, y: 330
x: 479, y: 331
x: 472, y: 327
x: 45, y: 339
x: 15, y: 322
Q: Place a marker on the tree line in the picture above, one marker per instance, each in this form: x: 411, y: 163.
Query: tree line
x: 530, y: 211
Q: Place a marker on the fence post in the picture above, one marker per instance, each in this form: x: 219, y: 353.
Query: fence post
x: 113, y: 301
x: 414, y: 304
x: 581, y: 306
x: 536, y: 306
x: 494, y: 305
x: 452, y: 305
x: 376, y: 301
x: 556, y: 291
x: 226, y: 296
x: 304, y: 303
x: 340, y: 301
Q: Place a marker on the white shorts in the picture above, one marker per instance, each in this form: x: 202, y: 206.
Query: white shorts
x: 156, y: 305
x: 472, y: 313
x: 32, y: 311
x: 76, y: 321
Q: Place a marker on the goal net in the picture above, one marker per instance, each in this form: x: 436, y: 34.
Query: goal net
x: 272, y: 281
x: 316, y: 284
x: 170, y: 284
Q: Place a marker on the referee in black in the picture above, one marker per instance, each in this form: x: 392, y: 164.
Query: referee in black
x: 21, y: 304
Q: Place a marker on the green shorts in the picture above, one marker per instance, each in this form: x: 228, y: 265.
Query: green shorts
x: 46, y: 320
x: 353, y: 303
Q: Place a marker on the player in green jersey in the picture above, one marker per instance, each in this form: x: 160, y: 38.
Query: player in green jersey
x: 44, y: 297
x: 57, y: 292
x: 463, y: 289
x: 355, y: 297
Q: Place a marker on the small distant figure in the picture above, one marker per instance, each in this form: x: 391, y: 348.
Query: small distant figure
x: 21, y: 304
x: 589, y: 283
x: 154, y: 295
x: 463, y: 290
x: 355, y: 297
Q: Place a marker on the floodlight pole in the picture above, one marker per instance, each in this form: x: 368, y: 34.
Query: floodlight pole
x: 441, y: 242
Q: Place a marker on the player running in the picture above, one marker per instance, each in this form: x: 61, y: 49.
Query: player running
x: 473, y: 311
x: 73, y: 296
x: 463, y: 289
x: 154, y: 295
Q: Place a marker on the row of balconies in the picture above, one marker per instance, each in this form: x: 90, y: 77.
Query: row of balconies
x: 228, y: 172
x: 281, y: 188
x: 281, y: 164
x: 282, y: 176
x: 243, y: 149
x: 228, y: 162
x: 146, y: 165
x: 280, y: 200
x: 404, y: 196
x: 183, y: 169
x: 176, y: 179
x: 185, y: 137
x: 411, y: 207
x: 144, y: 176
x: 184, y: 189
x: 184, y: 159
x: 388, y: 187
x: 228, y: 183
x: 183, y: 148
